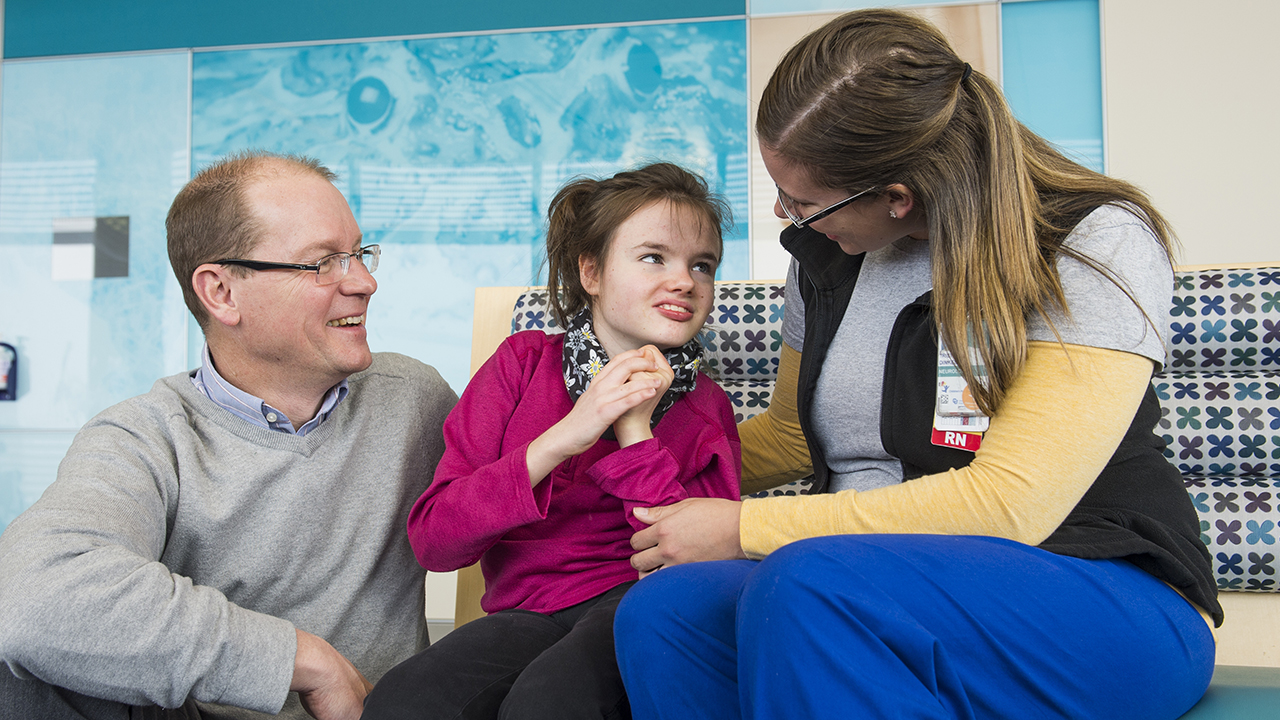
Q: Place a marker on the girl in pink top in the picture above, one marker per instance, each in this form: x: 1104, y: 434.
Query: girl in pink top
x: 555, y: 441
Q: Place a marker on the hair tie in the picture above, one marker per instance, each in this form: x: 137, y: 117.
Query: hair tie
x: 968, y: 70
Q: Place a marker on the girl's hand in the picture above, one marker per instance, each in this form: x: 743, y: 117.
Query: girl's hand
x: 633, y: 426
x: 626, y: 381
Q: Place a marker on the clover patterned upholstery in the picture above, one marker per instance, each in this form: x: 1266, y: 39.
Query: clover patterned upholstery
x: 1219, y: 395
x: 1220, y: 404
x: 743, y: 341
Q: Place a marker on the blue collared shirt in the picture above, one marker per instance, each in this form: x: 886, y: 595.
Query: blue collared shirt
x: 255, y: 409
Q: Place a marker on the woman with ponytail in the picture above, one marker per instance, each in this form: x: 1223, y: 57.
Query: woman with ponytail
x: 554, y: 442
x: 972, y: 322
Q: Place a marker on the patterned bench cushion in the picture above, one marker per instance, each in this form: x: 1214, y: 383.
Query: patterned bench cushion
x: 1225, y: 319
x: 1222, y: 430
x: 1220, y: 415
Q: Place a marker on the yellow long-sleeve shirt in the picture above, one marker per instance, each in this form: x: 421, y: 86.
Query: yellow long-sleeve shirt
x: 1060, y: 423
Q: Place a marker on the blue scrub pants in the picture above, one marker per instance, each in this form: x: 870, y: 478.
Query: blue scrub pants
x: 910, y: 626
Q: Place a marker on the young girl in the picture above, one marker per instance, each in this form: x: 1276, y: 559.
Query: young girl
x: 554, y: 443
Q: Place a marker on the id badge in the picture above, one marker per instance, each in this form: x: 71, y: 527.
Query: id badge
x: 957, y: 421
x: 955, y: 398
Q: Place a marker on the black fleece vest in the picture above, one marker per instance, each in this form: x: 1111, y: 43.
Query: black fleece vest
x: 1137, y: 509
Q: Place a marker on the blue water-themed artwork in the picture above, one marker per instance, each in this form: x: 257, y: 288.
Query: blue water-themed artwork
x: 447, y: 147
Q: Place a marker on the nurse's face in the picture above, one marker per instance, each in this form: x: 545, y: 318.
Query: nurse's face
x: 863, y: 225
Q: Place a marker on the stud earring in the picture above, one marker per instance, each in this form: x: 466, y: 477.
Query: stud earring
x: 893, y: 214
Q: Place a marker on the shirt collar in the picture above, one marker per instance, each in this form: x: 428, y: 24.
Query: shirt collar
x: 255, y: 409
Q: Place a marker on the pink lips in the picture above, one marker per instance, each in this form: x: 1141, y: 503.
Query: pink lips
x: 669, y: 310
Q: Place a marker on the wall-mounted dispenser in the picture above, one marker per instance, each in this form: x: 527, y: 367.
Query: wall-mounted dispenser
x: 8, y: 372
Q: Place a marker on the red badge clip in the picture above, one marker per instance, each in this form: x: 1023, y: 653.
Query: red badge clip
x: 957, y: 439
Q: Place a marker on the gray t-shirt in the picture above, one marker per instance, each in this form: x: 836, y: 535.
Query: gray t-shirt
x: 846, y: 407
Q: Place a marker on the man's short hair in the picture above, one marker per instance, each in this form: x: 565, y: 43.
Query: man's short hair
x: 210, y: 219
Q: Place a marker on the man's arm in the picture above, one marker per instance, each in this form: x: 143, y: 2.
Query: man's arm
x: 89, y: 606
x: 328, y: 684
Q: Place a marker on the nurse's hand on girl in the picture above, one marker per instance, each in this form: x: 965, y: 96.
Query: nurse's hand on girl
x: 692, y: 530
x: 622, y: 395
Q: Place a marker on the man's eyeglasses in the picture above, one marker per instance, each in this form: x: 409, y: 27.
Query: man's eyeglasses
x: 788, y: 206
x: 328, y: 269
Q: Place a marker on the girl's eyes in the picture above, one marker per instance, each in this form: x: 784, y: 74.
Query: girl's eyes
x: 701, y: 267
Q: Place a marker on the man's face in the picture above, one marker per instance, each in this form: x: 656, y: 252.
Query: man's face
x: 296, y: 331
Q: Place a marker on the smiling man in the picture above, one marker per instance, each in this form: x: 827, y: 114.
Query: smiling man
x: 237, y: 533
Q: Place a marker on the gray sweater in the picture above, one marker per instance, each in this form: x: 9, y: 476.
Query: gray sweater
x: 180, y: 546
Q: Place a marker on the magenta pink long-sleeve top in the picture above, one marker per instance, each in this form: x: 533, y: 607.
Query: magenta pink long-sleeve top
x: 549, y: 547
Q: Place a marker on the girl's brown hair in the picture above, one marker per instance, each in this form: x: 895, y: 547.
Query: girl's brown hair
x: 584, y: 215
x: 879, y: 97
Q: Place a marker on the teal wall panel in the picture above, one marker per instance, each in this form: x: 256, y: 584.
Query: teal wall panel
x: 762, y: 8
x: 34, y: 28
x: 1052, y: 55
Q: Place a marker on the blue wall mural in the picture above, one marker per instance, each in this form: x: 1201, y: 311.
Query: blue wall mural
x: 447, y: 147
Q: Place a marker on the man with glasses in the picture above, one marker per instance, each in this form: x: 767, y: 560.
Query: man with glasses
x: 236, y: 533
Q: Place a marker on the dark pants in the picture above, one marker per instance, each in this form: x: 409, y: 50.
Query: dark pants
x: 33, y: 699
x: 513, y: 664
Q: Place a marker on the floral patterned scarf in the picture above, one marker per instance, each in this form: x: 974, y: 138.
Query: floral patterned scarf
x: 584, y: 357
